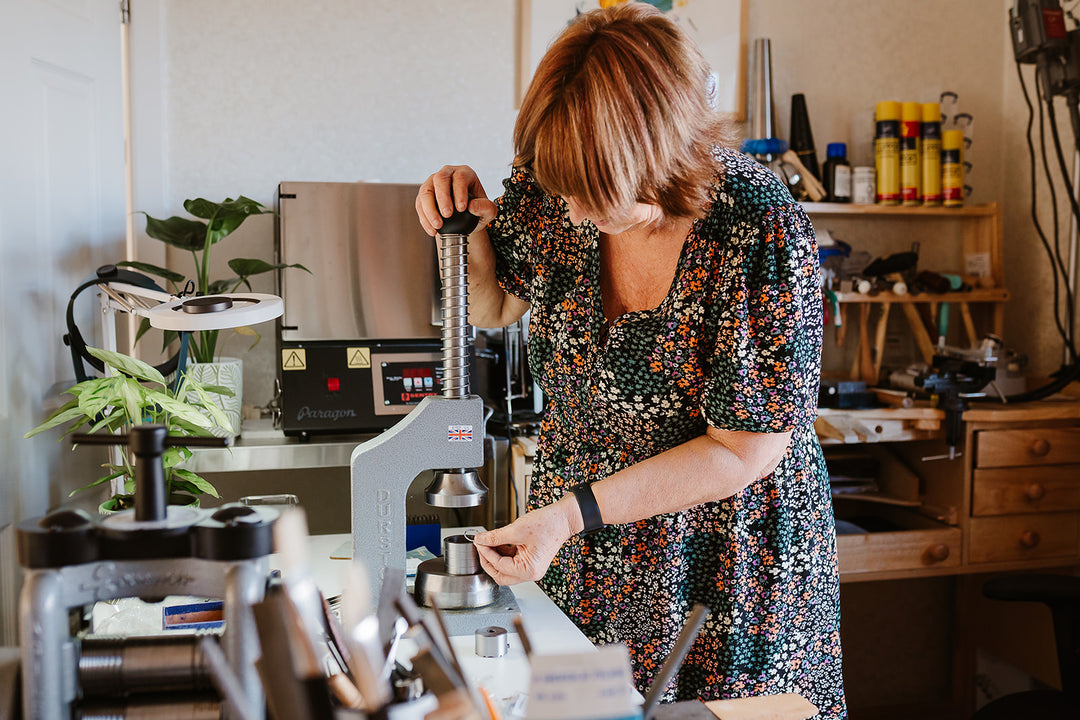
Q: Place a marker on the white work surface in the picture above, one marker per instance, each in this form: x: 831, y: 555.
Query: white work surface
x: 549, y: 630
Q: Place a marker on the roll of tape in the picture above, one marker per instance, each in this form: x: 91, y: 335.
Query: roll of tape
x: 491, y: 641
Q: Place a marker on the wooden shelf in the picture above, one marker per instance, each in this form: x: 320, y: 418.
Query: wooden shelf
x: 899, y: 210
x: 1023, y: 412
x: 1061, y: 409
x: 991, y: 295
x: 885, y: 413
x: 846, y: 427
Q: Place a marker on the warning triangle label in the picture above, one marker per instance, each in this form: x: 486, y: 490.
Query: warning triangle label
x: 358, y: 357
x: 294, y: 359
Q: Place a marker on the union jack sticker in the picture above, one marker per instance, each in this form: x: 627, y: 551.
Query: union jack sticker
x: 459, y: 433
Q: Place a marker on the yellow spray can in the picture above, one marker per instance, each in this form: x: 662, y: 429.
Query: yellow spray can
x: 910, y: 170
x: 887, y: 152
x: 931, y: 153
x: 952, y: 168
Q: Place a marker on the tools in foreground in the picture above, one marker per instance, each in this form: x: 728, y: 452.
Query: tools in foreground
x: 359, y: 673
x: 72, y: 561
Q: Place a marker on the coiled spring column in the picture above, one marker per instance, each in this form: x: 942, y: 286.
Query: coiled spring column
x: 454, y: 267
x: 457, y: 487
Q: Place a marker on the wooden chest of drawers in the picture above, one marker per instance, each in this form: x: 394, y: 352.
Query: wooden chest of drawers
x: 1010, y: 491
x: 1025, y: 494
x: 1010, y: 501
x: 1027, y: 446
x: 924, y: 544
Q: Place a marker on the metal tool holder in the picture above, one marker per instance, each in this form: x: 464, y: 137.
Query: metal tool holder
x: 443, y: 433
x: 73, y: 560
x: 954, y: 379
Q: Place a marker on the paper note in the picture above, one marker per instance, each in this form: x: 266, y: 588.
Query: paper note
x: 582, y: 686
x: 977, y: 264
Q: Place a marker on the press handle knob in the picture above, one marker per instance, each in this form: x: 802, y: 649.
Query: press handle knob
x: 148, y: 443
x: 462, y: 222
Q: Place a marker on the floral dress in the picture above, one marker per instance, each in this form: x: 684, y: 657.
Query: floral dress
x: 736, y: 344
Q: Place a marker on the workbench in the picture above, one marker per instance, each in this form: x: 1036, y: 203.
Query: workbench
x: 1009, y: 503
x: 549, y: 630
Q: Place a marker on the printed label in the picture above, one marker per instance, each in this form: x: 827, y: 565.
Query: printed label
x: 294, y: 359
x: 977, y: 264
x: 459, y: 433
x: 842, y: 182
x: 358, y: 358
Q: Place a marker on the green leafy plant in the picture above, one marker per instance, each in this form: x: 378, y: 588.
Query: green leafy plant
x: 136, y: 393
x: 212, y: 223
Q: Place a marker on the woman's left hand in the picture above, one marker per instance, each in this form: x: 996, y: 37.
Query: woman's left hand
x: 523, y: 550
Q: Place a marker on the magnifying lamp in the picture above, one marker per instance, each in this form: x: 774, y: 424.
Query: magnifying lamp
x: 181, y: 314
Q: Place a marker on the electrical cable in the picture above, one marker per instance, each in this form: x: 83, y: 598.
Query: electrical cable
x: 1046, y: 170
x: 1051, y: 115
x: 1067, y: 373
x: 74, y: 338
x: 1031, y: 47
x: 1034, y: 205
x: 514, y: 499
x: 1053, y: 255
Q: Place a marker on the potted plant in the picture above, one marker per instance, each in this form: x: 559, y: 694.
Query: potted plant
x: 212, y: 222
x: 133, y: 394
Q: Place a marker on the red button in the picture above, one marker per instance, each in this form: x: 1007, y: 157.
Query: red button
x: 333, y: 384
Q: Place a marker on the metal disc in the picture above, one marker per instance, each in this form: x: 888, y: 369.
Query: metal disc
x: 208, y: 304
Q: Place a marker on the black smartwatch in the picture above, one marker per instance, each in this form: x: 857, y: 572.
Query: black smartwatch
x: 590, y: 511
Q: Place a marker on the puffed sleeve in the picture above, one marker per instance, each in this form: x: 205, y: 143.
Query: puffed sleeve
x: 767, y: 360
x: 516, y: 233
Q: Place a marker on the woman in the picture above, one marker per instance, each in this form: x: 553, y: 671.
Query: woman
x: 675, y: 327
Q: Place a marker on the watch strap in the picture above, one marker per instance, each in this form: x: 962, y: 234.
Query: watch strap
x: 590, y: 511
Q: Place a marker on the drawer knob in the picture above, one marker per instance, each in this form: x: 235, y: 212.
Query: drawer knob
x: 1029, y: 539
x: 936, y: 553
x: 1040, y: 448
x: 1034, y: 492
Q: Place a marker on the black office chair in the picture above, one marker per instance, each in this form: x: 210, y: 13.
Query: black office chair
x: 1062, y: 594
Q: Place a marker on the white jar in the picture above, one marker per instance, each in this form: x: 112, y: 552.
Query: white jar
x: 863, y: 185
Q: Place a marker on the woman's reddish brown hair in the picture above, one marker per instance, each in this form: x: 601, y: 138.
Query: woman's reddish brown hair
x: 618, y: 113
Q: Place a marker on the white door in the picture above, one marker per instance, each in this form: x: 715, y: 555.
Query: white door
x: 61, y: 216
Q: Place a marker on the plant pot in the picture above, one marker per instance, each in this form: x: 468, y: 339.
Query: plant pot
x: 227, y: 372
x: 120, y: 503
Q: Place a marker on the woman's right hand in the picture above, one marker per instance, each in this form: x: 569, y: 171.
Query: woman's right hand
x: 523, y: 550
x: 455, y: 187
